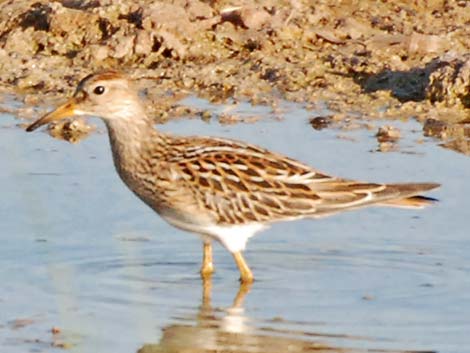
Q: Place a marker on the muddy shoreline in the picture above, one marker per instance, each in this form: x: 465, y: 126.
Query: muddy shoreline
x: 361, y: 59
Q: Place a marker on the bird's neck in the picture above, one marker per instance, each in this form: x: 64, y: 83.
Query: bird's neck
x: 130, y: 141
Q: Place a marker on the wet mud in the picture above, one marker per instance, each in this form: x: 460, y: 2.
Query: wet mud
x: 362, y: 59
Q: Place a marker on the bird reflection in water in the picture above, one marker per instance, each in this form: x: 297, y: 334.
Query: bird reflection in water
x: 228, y: 330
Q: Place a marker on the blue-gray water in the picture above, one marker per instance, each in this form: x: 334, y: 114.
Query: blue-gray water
x: 81, y: 253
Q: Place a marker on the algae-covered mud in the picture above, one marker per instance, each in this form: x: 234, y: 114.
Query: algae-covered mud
x: 395, y: 59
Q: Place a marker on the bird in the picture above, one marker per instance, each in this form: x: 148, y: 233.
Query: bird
x: 221, y: 189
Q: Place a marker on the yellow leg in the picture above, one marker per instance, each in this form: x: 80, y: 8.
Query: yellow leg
x: 207, y: 267
x: 246, y: 276
x: 206, y: 293
x: 206, y: 310
x: 242, y: 292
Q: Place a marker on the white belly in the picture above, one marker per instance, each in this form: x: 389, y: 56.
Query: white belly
x: 233, y: 238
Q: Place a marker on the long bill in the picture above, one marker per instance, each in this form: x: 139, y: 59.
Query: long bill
x: 66, y: 110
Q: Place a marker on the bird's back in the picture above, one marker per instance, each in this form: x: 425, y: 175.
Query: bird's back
x: 227, y: 182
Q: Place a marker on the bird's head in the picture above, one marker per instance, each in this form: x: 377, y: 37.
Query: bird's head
x: 108, y: 95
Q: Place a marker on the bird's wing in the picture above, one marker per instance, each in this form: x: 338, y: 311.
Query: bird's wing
x: 240, y: 183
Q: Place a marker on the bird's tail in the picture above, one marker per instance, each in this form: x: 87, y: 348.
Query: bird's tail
x: 413, y: 200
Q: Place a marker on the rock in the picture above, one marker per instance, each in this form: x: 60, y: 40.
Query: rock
x: 143, y: 43
x: 450, y: 82
x: 36, y: 78
x: 435, y: 128
x: 320, y: 122
x: 124, y: 47
x: 169, y: 17
x: 388, y: 133
x: 250, y: 17
x: 425, y: 43
x: 99, y: 52
x: 70, y: 130
x: 197, y: 10
x: 19, y: 41
x: 74, y: 27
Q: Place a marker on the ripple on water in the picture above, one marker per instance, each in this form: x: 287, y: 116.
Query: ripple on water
x: 114, y: 277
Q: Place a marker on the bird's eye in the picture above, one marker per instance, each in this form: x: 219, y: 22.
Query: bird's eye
x: 98, y: 90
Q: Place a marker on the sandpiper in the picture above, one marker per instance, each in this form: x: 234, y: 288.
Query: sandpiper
x: 220, y: 189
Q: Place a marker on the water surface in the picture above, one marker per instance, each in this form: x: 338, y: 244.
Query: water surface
x: 79, y: 252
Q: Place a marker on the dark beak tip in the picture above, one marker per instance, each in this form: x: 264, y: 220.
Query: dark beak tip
x: 31, y: 128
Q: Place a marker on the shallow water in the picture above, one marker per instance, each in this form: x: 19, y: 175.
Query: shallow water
x: 79, y: 252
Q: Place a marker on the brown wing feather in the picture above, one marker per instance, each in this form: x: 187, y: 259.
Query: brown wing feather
x: 239, y: 183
